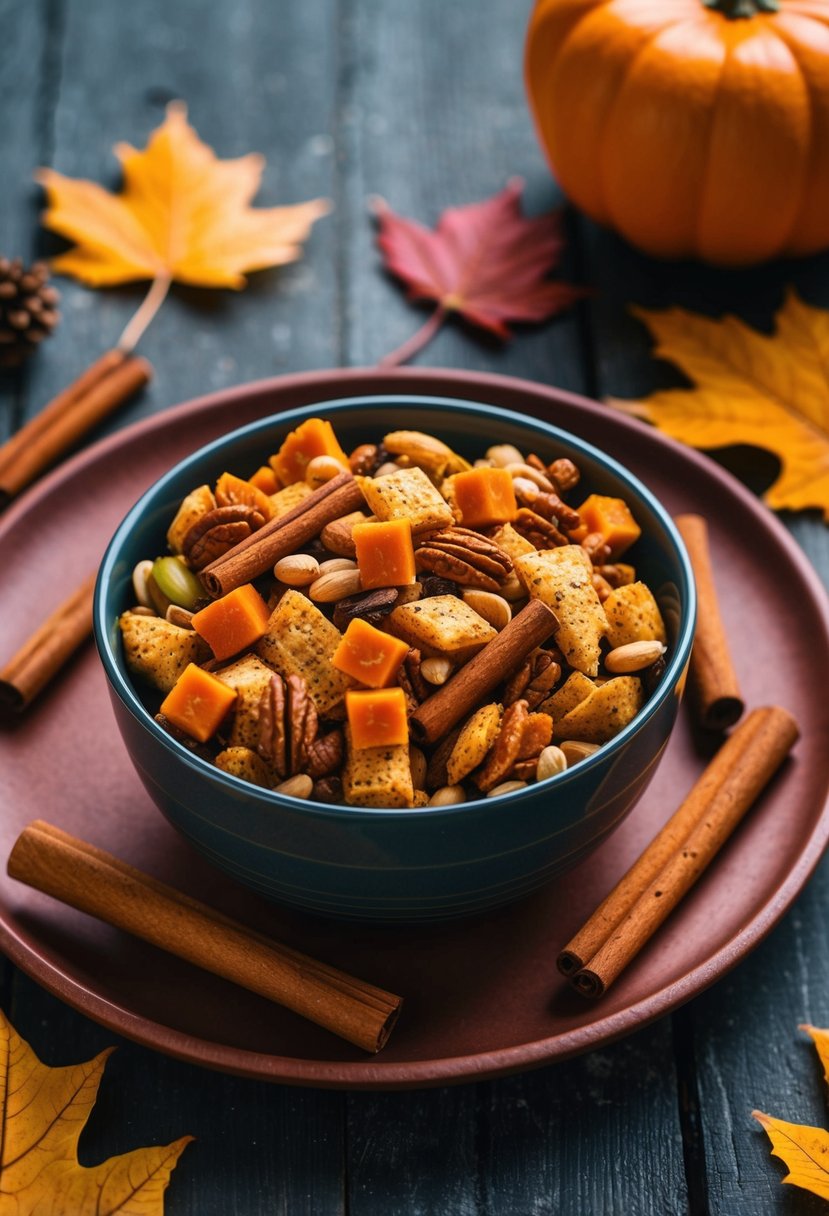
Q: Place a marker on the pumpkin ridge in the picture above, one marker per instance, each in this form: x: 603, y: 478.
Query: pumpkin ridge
x: 648, y: 40
x: 709, y: 142
x: 793, y: 46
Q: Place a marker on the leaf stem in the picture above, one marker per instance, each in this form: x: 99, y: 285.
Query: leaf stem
x: 145, y: 312
x: 417, y: 341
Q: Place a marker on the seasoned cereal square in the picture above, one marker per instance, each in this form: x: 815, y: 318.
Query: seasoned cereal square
x: 574, y: 689
x: 300, y: 641
x: 604, y: 712
x: 244, y: 763
x: 633, y: 616
x: 157, y: 650
x: 563, y: 580
x: 249, y: 677
x: 477, y: 736
x: 442, y: 625
x: 285, y: 500
x: 407, y: 494
x: 512, y: 542
x: 377, y: 776
x: 196, y: 504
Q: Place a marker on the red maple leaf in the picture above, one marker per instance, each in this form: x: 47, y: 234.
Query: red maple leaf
x: 486, y: 261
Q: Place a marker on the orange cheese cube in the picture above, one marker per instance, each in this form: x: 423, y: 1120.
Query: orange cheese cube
x: 484, y: 496
x: 198, y: 703
x: 265, y: 480
x: 314, y: 437
x: 368, y: 654
x: 385, y: 554
x: 231, y: 489
x: 610, y: 516
x: 233, y: 623
x: 377, y: 718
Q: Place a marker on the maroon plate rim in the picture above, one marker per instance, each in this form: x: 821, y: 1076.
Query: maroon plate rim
x: 22, y: 949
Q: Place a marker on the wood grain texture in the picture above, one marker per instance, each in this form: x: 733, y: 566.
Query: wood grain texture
x: 421, y: 103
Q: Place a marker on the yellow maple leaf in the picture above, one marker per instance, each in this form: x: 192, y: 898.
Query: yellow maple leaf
x: 771, y: 391
x: 804, y: 1150
x: 820, y: 1038
x: 43, y: 1111
x: 182, y: 215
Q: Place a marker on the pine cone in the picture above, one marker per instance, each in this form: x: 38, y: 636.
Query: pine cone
x: 28, y: 309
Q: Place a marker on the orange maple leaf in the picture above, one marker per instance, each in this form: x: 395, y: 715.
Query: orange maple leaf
x: 183, y: 215
x: 43, y: 1111
x: 804, y: 1150
x: 771, y: 391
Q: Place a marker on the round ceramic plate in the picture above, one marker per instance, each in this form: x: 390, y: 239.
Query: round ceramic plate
x: 482, y: 996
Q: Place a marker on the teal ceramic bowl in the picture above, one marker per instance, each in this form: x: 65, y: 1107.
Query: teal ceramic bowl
x: 426, y: 863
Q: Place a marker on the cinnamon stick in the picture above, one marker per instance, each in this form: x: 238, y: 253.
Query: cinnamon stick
x: 279, y: 537
x: 91, y: 880
x: 489, y: 668
x: 715, y: 691
x: 49, y: 647
x: 89, y: 399
x: 678, y: 855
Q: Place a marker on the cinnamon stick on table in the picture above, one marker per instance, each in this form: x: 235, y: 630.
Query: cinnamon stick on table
x: 715, y: 692
x: 87, y: 401
x: 93, y: 881
x: 678, y: 855
x: 284, y: 535
x: 489, y: 668
x: 46, y: 651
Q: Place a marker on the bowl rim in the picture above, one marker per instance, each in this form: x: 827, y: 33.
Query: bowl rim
x: 123, y: 688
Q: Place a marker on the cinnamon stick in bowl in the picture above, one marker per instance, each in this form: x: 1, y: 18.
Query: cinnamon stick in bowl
x: 674, y: 860
x: 715, y: 691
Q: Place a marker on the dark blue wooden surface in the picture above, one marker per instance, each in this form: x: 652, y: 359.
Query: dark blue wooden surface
x: 420, y: 101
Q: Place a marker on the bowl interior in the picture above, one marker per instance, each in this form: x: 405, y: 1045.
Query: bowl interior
x: 659, y: 555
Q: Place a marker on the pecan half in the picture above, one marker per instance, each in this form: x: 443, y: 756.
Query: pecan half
x: 537, y: 530
x: 534, y: 680
x: 505, y: 750
x: 192, y: 745
x: 327, y: 789
x: 411, y: 666
x: 325, y: 754
x: 272, y: 745
x: 465, y: 557
x: 302, y: 716
x: 550, y: 506
x: 596, y: 548
x: 536, y: 734
x: 369, y: 606
x: 217, y: 531
x: 563, y: 474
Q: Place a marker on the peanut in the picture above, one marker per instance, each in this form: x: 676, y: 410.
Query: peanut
x: 297, y: 570
x: 436, y: 671
x: 448, y: 795
x: 321, y: 469
x: 551, y: 761
x: 503, y: 454
x: 329, y: 588
x: 506, y: 787
x: 299, y: 786
x: 634, y: 656
x: 520, y: 469
x: 575, y: 750
x: 493, y: 608
x: 337, y: 563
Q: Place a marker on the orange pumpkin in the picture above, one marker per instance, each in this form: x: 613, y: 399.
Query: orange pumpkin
x: 693, y: 127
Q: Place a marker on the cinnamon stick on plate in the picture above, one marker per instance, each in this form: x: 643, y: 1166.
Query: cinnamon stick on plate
x: 715, y: 691
x: 93, y: 881
x: 284, y: 535
x: 86, y: 402
x: 49, y: 647
x: 678, y: 855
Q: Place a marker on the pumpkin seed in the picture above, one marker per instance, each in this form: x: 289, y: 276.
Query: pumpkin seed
x: 175, y: 581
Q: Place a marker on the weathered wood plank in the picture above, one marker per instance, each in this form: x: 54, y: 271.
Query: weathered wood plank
x: 434, y: 116
x: 580, y: 1137
x: 252, y: 82
x: 23, y: 140
x: 259, y: 1148
x: 744, y: 1050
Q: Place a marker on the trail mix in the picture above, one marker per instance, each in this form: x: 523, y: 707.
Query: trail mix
x: 459, y: 631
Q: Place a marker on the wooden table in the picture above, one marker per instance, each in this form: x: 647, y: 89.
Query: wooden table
x: 422, y: 103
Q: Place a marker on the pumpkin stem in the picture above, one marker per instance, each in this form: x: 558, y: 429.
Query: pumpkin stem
x: 742, y: 8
